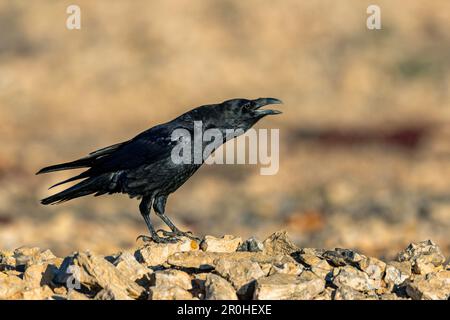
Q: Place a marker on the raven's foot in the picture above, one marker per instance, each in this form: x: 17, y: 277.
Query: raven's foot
x: 157, y: 239
x: 179, y: 233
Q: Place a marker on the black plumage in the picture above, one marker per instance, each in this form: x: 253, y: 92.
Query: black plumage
x: 143, y: 167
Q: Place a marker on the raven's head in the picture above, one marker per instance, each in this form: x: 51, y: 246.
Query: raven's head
x: 235, y: 114
x: 239, y: 113
x: 231, y: 118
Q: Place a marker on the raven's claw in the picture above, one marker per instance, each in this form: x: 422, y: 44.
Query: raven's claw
x: 157, y: 239
x: 178, y: 233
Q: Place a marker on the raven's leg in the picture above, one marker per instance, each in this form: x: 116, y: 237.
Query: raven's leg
x: 159, y: 205
x: 144, y: 208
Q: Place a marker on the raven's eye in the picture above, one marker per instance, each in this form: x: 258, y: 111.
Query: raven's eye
x: 247, y: 106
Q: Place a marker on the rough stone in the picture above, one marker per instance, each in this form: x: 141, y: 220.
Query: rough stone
x: 326, y: 294
x: 309, y: 259
x: 206, y: 260
x: 37, y: 275
x: 275, y: 270
x: 430, y: 286
x: 397, y: 272
x: 227, y: 243
x: 286, y: 268
x: 169, y: 293
x: 38, y: 293
x: 286, y: 286
x: 279, y: 243
x: 341, y: 257
x: 95, y: 272
x: 112, y: 293
x: 241, y: 274
x: 322, y: 269
x: 26, y: 256
x: 375, y: 269
x: 7, y: 260
x: 353, y: 278
x: 391, y: 296
x: 171, y: 278
x: 154, y: 254
x: 348, y: 293
x: 130, y: 267
x: 10, y: 285
x: 251, y: 245
x: 217, y: 288
x: 425, y: 257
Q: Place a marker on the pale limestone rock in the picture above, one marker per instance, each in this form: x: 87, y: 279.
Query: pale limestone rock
x: 286, y: 268
x: 170, y: 278
x: 241, y: 274
x: 62, y: 291
x: 309, y: 259
x: 94, y: 271
x: 205, y: 260
x: 322, y: 269
x: 169, y: 293
x: 391, y: 296
x: 154, y: 254
x: 312, y: 251
x: 7, y: 260
x: 279, y: 243
x: 375, y: 269
x: 37, y: 275
x: 112, y: 293
x: 217, y: 288
x: 348, y: 293
x: 195, y: 259
x: 285, y: 286
x: 397, y: 272
x: 267, y: 268
x: 326, y: 294
x: 38, y: 293
x: 10, y: 286
x: 227, y: 243
x: 25, y: 256
x: 130, y: 267
x: 425, y: 257
x: 353, y: 278
x: 313, y: 259
x: 430, y: 287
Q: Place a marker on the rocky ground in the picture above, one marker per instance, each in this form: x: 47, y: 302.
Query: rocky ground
x: 225, y: 268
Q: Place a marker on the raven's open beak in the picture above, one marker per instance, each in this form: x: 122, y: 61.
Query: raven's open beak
x: 261, y: 102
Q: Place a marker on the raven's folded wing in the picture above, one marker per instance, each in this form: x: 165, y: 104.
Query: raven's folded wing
x: 146, y: 148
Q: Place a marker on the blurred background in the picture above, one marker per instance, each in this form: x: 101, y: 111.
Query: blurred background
x: 364, y: 137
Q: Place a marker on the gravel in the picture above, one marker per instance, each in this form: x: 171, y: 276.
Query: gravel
x: 226, y: 268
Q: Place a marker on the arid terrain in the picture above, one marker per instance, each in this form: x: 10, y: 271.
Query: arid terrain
x: 225, y: 268
x: 364, y: 134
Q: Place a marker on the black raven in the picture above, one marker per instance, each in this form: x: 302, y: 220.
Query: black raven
x: 144, y: 167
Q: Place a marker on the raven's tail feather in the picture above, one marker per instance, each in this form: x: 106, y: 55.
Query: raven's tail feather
x: 78, y: 177
x: 83, y: 188
x: 81, y: 163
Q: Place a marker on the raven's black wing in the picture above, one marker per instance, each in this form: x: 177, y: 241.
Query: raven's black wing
x: 146, y: 148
